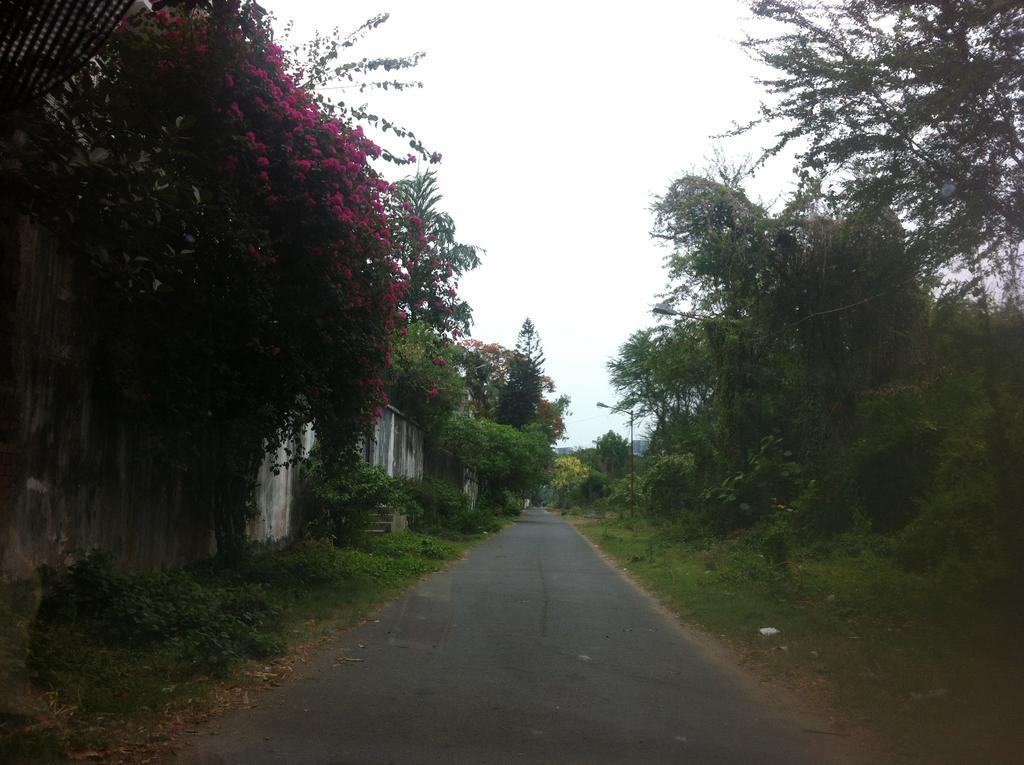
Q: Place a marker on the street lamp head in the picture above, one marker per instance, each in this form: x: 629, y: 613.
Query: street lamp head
x: 603, y: 406
x: 664, y: 309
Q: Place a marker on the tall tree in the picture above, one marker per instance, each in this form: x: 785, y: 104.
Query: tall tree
x: 432, y: 257
x: 524, y: 389
x: 612, y: 454
x: 486, y: 370
x: 918, y: 105
x: 666, y: 377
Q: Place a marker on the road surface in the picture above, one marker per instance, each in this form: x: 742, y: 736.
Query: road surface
x: 533, y: 649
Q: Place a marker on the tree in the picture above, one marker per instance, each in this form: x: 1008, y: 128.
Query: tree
x: 321, y: 63
x: 486, y: 367
x: 919, y: 106
x: 422, y: 379
x: 432, y: 257
x: 665, y: 375
x: 803, y: 309
x: 567, y: 477
x: 551, y: 416
x: 506, y: 459
x: 613, y: 454
x: 524, y: 388
x: 796, y: 316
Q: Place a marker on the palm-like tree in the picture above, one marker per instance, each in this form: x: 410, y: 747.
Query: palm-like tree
x: 433, y: 257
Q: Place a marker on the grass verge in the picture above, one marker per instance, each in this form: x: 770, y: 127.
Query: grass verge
x: 122, y: 662
x: 932, y: 664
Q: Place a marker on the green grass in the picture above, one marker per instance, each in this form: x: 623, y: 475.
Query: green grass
x: 930, y: 662
x: 119, y: 659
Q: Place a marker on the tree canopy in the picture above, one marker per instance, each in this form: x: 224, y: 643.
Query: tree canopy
x: 918, y: 106
x: 432, y: 257
x: 524, y: 388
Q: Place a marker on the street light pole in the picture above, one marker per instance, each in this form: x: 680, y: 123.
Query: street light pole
x: 632, y: 466
x: 632, y: 455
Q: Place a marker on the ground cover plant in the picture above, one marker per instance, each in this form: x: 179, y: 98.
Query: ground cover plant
x: 929, y: 660
x: 116, y: 654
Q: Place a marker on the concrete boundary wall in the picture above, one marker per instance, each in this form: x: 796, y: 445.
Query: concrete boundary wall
x: 396, y: 444
x: 77, y: 472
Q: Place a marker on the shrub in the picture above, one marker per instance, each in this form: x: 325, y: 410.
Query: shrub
x: 439, y: 502
x: 954, y: 525
x: 775, y: 537
x: 309, y: 563
x: 506, y: 503
x: 476, y: 520
x: 445, y: 507
x: 344, y: 494
x: 770, y: 478
x: 399, y: 545
x: 668, y: 484
x: 209, y: 623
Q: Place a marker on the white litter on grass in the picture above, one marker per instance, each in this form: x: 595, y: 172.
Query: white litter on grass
x: 768, y: 631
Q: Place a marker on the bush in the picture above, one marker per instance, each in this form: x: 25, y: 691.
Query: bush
x: 309, y: 563
x: 955, y: 525
x: 399, y: 545
x: 445, y: 507
x: 201, y: 617
x: 775, y: 537
x: 208, y: 623
x: 771, y: 478
x: 506, y: 503
x: 668, y: 484
x: 344, y: 494
x: 895, y: 459
x: 476, y: 520
x: 439, y: 502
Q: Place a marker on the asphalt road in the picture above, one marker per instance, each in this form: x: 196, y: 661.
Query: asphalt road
x: 531, y: 650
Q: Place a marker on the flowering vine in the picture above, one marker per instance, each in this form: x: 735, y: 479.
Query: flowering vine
x: 244, y: 253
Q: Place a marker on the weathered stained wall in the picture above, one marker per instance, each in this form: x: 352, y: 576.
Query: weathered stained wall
x: 396, y: 445
x: 442, y: 464
x: 75, y: 471
x: 278, y: 495
x: 83, y: 475
x: 9, y: 416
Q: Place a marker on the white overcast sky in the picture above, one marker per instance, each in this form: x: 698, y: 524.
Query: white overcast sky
x: 558, y: 123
